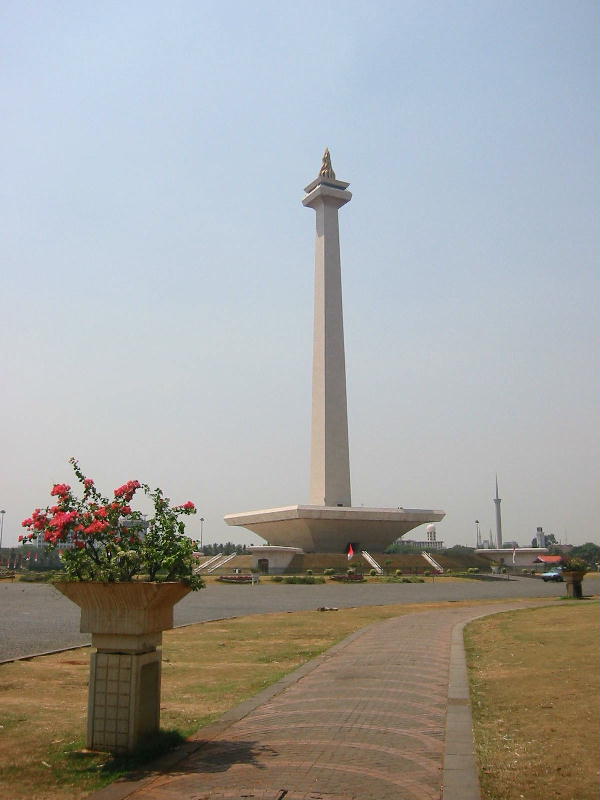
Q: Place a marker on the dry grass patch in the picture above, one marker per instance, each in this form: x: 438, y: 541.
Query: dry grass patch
x: 534, y: 687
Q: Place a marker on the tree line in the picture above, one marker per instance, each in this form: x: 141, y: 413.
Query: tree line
x: 224, y: 549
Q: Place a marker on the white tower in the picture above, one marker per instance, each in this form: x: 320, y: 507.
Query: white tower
x: 329, y: 524
x: 497, y: 502
x: 330, y: 459
x: 431, y: 535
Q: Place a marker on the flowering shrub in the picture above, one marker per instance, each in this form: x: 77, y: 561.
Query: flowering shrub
x: 575, y: 565
x: 236, y: 578
x: 112, y: 542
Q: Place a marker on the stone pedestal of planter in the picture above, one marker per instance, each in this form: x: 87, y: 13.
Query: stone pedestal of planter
x: 126, y: 621
x: 573, y: 579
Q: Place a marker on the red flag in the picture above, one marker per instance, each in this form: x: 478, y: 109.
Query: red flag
x: 350, y: 552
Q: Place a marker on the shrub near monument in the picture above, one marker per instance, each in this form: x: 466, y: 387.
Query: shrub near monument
x: 106, y: 540
x: 125, y: 574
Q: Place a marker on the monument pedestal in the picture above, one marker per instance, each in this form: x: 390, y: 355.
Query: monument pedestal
x: 124, y: 695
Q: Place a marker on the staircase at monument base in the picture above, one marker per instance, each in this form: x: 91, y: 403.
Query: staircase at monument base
x: 207, y: 563
x: 370, y: 560
x: 431, y: 560
x: 215, y: 563
x: 221, y: 562
x: 409, y: 563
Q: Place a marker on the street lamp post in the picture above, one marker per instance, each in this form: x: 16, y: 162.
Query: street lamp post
x: 2, y: 513
x: 478, y: 532
x: 201, y: 533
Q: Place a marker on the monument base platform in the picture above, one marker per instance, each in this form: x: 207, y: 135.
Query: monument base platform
x: 331, y: 529
x: 520, y: 557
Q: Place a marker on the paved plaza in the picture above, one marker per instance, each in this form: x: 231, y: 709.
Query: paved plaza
x: 384, y: 715
x: 36, y: 618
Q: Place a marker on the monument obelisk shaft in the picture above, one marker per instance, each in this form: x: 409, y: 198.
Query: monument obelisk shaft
x: 330, y: 459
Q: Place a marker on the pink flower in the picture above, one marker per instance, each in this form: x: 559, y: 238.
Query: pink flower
x: 79, y: 544
x: 20, y: 538
x: 39, y: 520
x: 61, y: 520
x: 126, y: 510
x: 127, y: 490
x: 60, y: 489
x: 189, y: 506
x: 88, y: 482
x: 96, y: 527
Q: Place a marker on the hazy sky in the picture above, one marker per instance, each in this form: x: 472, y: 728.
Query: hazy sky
x: 157, y: 264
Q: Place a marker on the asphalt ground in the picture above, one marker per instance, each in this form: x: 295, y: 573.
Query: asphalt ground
x: 36, y: 618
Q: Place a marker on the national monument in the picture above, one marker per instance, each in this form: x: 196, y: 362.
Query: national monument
x: 329, y: 523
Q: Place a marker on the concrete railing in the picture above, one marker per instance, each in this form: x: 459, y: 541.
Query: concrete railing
x: 222, y: 560
x: 370, y: 560
x: 431, y: 560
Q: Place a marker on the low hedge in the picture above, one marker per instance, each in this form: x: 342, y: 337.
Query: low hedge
x: 236, y: 578
x: 39, y: 577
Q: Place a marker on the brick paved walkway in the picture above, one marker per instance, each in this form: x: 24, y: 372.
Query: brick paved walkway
x: 367, y: 722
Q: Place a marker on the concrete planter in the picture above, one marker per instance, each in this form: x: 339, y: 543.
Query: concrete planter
x: 573, y: 579
x: 126, y: 621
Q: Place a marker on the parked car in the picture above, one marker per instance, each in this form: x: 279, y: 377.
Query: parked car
x: 554, y: 574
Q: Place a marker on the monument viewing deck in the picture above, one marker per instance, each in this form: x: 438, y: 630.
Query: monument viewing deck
x: 330, y: 529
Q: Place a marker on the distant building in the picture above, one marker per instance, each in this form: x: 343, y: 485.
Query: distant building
x: 517, y: 557
x: 540, y: 537
x: 552, y: 560
x: 426, y: 545
x: 431, y: 543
